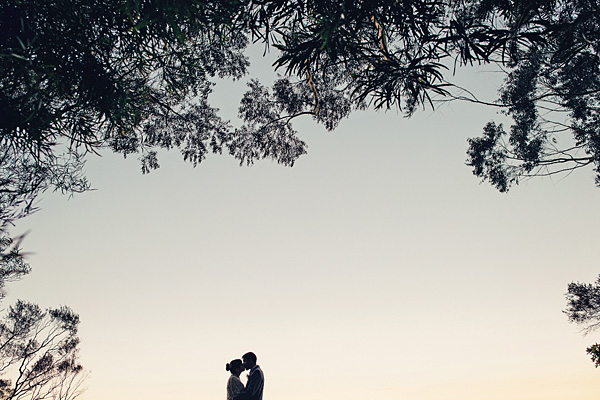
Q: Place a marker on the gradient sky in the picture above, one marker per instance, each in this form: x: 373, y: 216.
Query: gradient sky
x: 378, y: 267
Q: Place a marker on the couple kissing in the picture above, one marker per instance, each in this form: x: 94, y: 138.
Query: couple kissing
x: 256, y: 380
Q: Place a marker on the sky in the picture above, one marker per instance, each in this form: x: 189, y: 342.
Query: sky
x: 377, y: 266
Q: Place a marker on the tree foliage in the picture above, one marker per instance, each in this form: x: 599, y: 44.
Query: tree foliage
x: 583, y: 308
x: 399, y: 53
x: 79, y: 76
x: 135, y: 76
x: 551, y: 91
x: 12, y: 266
x: 38, y: 348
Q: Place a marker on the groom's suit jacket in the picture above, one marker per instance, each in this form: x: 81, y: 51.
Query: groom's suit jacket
x: 254, y: 386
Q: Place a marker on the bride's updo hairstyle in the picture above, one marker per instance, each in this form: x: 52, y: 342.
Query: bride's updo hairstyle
x: 233, y: 365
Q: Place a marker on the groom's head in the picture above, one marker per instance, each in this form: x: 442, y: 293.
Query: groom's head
x: 249, y: 360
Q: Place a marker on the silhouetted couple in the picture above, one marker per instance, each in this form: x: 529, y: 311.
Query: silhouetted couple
x: 254, y: 385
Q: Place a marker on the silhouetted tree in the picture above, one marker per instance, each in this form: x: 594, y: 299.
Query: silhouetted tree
x: 583, y: 308
x: 79, y: 76
x: 353, y: 54
x: 135, y: 76
x: 552, y: 92
x: 38, y: 349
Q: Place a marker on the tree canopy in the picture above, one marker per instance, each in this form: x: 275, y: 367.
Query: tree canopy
x: 78, y: 76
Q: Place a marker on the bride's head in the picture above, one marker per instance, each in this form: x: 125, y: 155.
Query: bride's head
x: 235, y: 367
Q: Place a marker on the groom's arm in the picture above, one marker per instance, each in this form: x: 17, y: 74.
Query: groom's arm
x: 252, y: 387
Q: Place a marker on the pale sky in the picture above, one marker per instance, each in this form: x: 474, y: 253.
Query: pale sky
x: 378, y: 267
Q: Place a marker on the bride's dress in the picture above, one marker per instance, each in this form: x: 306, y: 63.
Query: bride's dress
x: 234, y: 386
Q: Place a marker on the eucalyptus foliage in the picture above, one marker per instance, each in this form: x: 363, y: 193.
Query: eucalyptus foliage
x: 387, y: 54
x: 135, y: 76
x: 583, y: 308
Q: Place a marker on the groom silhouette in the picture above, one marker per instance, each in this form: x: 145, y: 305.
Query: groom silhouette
x: 256, y: 379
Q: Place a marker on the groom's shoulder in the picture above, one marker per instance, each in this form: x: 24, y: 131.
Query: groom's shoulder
x: 256, y: 370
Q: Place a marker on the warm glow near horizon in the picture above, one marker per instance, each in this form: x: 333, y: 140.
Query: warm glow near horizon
x: 375, y: 268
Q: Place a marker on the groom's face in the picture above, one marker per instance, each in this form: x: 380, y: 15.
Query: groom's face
x: 247, y: 364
